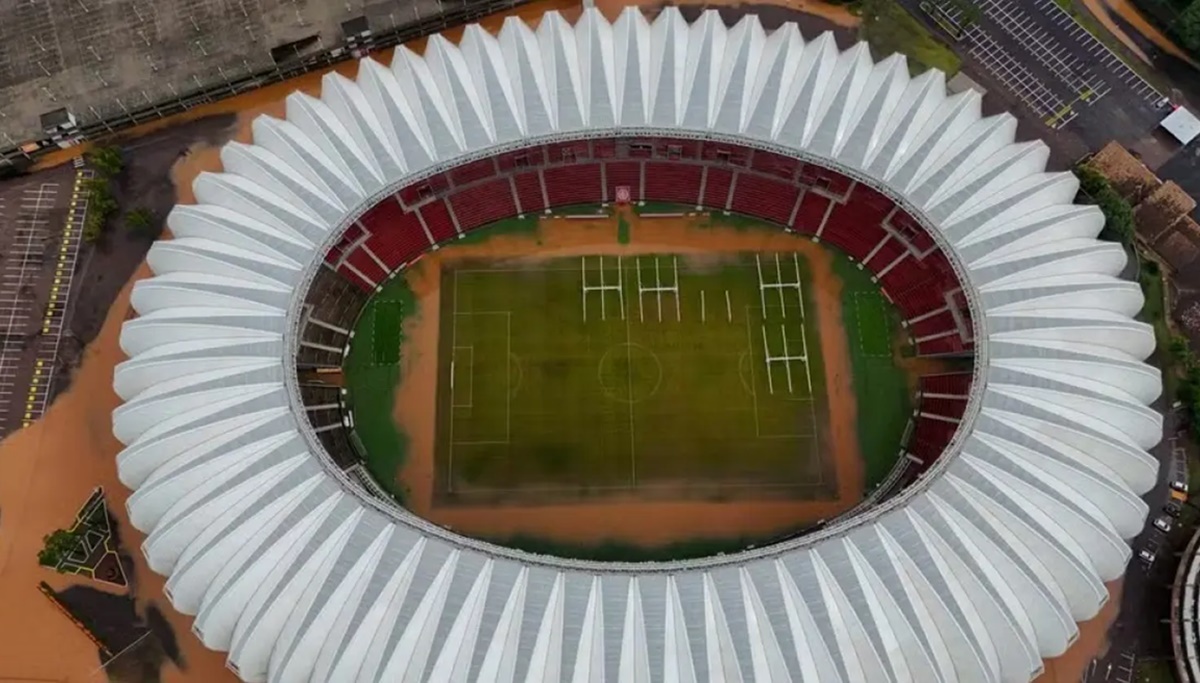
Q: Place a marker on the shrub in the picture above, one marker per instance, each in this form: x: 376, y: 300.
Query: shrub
x: 56, y: 546
x: 140, y: 221
x: 101, y: 206
x: 1118, y: 214
x: 107, y: 161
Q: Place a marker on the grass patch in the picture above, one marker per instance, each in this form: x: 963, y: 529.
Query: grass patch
x: 623, y: 230
x: 1154, y: 671
x: 884, y: 398
x: 372, y: 372
x: 527, y: 225
x: 662, y: 207
x: 889, y: 28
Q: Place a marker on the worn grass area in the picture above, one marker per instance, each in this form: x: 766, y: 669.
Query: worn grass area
x: 372, y: 372
x: 884, y: 398
x: 553, y: 390
x: 888, y: 28
x: 527, y: 225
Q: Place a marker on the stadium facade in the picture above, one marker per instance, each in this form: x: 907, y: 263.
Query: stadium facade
x: 975, y: 572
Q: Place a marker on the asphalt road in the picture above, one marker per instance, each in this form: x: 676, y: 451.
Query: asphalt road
x: 1142, y: 629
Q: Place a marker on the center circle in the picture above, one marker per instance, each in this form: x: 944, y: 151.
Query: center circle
x: 629, y: 373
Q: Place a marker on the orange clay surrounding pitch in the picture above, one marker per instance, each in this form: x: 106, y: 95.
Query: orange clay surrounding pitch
x: 626, y: 519
x: 48, y: 469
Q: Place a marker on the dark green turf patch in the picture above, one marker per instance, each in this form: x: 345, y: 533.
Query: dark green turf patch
x: 884, y: 398
x: 372, y: 373
x: 385, y: 331
x: 623, y: 230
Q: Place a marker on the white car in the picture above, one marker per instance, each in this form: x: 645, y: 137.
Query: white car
x: 1179, y: 485
x: 1146, y: 555
x: 1163, y: 523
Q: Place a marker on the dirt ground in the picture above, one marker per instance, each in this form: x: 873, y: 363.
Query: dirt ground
x: 613, y: 519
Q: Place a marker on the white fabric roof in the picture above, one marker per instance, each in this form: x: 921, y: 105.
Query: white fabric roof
x: 1182, y: 125
x: 976, y: 577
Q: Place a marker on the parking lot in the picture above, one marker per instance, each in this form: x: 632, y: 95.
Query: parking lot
x: 1041, y: 55
x: 40, y: 224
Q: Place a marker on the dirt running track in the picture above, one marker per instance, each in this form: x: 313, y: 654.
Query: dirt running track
x: 626, y: 519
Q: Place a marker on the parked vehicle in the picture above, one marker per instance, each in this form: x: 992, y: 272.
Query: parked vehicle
x: 1163, y: 523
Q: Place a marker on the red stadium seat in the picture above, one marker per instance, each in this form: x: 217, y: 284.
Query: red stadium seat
x: 397, y: 237
x: 811, y: 214
x: 483, y: 203
x: 473, y: 171
x: 627, y: 173
x: 529, y: 191
x: 948, y: 384
x: 716, y: 187
x: 765, y: 198
x: 438, y: 220
x: 944, y: 407
x: 673, y: 182
x: 569, y: 185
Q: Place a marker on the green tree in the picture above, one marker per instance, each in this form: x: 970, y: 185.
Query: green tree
x: 1118, y: 214
x: 100, y: 208
x: 140, y: 221
x: 1187, y: 26
x: 107, y: 160
x: 1178, y: 347
x: 56, y: 546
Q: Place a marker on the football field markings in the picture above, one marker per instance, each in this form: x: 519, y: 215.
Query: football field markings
x: 603, y: 288
x: 780, y: 285
x: 658, y: 288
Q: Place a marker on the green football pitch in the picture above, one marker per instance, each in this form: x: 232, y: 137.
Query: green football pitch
x: 587, y: 375
x: 696, y: 376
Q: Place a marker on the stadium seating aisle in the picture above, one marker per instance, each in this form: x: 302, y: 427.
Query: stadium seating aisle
x: 716, y: 187
x: 529, y: 191
x: 811, y: 214
x: 437, y: 219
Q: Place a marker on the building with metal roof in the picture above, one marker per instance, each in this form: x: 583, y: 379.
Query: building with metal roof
x: 975, y: 571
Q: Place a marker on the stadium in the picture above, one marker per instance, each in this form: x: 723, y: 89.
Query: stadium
x: 994, y: 534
